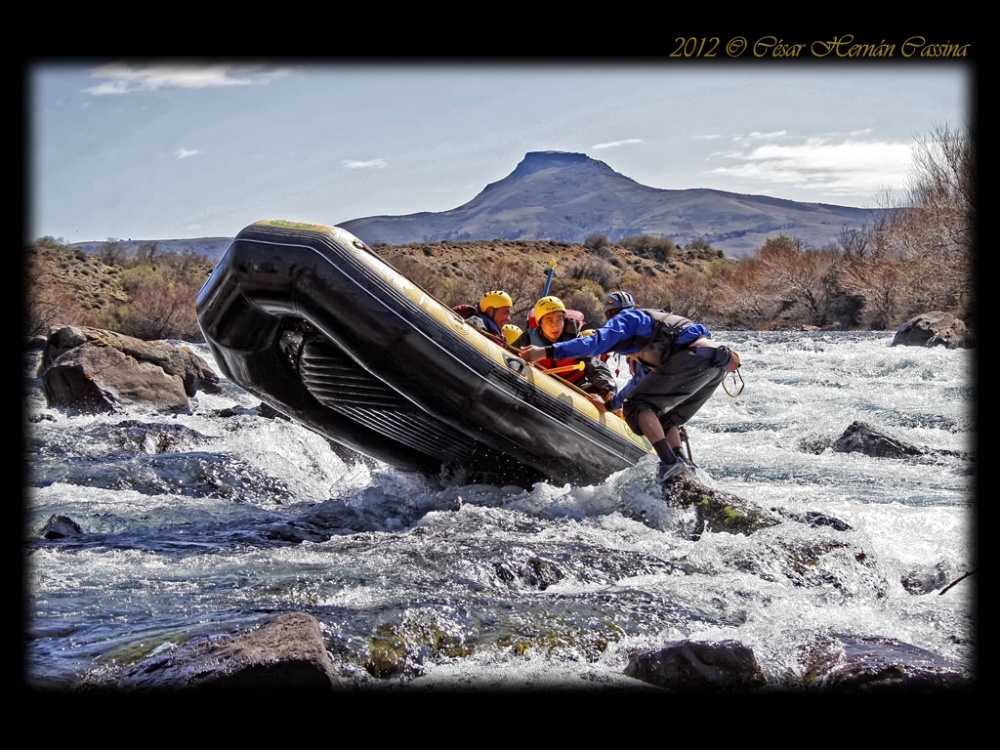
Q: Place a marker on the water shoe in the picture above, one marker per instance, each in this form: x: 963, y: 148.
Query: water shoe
x: 679, y: 468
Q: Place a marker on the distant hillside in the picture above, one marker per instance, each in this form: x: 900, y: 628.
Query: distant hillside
x: 566, y: 197
x: 212, y: 248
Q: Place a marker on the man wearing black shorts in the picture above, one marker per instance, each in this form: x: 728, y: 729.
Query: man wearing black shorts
x: 683, y: 367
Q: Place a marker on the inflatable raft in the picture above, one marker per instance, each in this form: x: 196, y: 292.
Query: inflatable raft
x: 310, y: 320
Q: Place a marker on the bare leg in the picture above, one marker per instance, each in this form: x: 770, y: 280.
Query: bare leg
x: 674, y: 437
x: 652, y: 428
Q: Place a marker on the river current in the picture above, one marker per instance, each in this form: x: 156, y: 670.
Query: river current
x: 186, y: 522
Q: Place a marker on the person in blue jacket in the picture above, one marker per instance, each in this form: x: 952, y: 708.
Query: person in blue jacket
x: 681, y: 366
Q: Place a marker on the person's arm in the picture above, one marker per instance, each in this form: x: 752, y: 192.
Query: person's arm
x: 619, y: 398
x: 600, y: 375
x: 612, y: 334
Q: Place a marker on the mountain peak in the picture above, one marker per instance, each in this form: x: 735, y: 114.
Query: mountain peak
x: 552, y: 162
x: 536, y: 161
x: 540, y: 159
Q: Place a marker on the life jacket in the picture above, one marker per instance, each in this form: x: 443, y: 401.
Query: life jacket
x: 481, y: 322
x: 569, y: 332
x: 667, y: 327
x: 465, y: 311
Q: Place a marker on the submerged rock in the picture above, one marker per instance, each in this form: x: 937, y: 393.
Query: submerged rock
x: 814, y: 519
x: 400, y: 651
x: 534, y: 573
x: 142, y: 437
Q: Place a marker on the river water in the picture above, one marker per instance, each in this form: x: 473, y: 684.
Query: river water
x: 204, y: 522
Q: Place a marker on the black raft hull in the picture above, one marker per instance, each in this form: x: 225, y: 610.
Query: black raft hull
x: 310, y: 320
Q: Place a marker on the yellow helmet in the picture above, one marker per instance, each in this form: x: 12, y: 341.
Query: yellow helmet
x: 511, y: 333
x: 547, y: 305
x: 495, y: 299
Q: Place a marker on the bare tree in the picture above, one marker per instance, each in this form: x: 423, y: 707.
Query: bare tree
x: 918, y: 253
x: 801, y: 279
x: 112, y: 252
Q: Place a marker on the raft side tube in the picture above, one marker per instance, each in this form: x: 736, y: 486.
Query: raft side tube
x: 457, y: 380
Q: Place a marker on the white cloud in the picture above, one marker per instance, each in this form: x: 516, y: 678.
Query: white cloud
x: 184, y: 153
x: 370, y: 164
x: 109, y: 88
x: 123, y: 79
x: 613, y: 144
x: 758, y: 136
x: 848, y: 166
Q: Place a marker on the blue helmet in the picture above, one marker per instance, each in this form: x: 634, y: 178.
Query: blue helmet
x: 618, y: 301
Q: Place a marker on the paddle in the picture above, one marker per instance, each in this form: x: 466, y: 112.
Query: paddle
x: 564, y: 368
x: 545, y: 291
x: 548, y: 277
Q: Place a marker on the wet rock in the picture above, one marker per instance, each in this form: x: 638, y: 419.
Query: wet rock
x: 716, y: 510
x: 94, y: 370
x: 534, y: 573
x: 235, y: 411
x: 287, y: 653
x: 698, y: 666
x: 934, y: 329
x: 814, y: 519
x: 141, y: 437
x: 852, y: 663
x: 269, y: 412
x: 350, y: 456
x: 60, y: 527
x: 295, y: 532
x: 860, y: 437
x: 831, y: 563
x: 401, y: 650
x: 925, y: 580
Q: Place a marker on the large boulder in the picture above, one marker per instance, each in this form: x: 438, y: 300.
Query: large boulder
x: 287, y: 653
x: 861, y: 437
x: 934, y: 329
x: 868, y: 664
x: 94, y: 370
x: 697, y: 666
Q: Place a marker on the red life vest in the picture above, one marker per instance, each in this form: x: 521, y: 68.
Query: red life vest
x: 537, y: 339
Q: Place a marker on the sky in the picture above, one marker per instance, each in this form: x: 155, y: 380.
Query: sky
x: 171, y: 150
